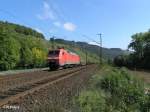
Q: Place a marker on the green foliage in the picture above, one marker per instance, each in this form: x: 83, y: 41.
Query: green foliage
x: 15, y: 28
x: 21, y: 47
x: 145, y: 106
x: 121, y: 85
x: 26, y: 56
x: 39, y: 57
x: 117, y: 90
x: 141, y: 46
x: 120, y: 60
x: 91, y: 101
x: 33, y: 52
x: 93, y: 49
x: 9, y: 51
x: 140, y: 57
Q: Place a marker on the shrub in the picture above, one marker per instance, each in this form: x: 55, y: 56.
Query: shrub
x: 122, y: 93
x: 145, y: 105
x: 91, y: 101
x: 123, y: 88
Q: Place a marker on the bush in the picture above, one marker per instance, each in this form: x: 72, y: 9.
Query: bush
x: 91, y: 101
x: 145, y: 106
x: 125, y: 87
x: 121, y: 93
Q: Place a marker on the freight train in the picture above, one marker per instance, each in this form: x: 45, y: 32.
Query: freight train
x: 62, y: 58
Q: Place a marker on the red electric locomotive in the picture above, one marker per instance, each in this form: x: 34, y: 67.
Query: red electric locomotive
x: 62, y: 58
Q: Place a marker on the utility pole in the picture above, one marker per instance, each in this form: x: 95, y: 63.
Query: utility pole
x: 86, y: 54
x: 52, y: 40
x: 100, y: 48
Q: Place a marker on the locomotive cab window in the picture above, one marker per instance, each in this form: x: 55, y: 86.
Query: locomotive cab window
x: 54, y: 53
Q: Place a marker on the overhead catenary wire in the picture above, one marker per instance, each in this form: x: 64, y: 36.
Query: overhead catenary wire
x: 58, y: 13
x: 64, y: 19
x: 100, y: 46
x: 91, y: 39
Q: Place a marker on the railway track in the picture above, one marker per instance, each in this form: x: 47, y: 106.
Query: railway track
x: 10, y: 82
x: 20, y: 75
x: 14, y: 94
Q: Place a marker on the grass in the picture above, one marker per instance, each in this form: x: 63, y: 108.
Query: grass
x: 114, y: 90
x: 145, y: 76
x: 11, y: 72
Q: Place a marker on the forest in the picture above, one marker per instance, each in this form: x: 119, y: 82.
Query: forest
x: 21, y: 47
x: 139, y: 56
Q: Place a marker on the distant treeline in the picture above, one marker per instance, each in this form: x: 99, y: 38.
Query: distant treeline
x: 21, y: 47
x: 107, y: 53
x: 140, y: 52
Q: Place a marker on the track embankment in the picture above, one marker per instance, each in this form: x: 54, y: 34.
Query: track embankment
x: 40, y: 84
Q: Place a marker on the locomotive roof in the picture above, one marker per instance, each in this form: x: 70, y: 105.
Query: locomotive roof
x: 71, y: 52
x: 65, y: 50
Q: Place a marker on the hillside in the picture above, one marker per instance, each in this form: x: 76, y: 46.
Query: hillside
x: 23, y: 47
x: 107, y: 53
x: 20, y: 30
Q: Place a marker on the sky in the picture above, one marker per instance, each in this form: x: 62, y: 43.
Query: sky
x: 116, y: 20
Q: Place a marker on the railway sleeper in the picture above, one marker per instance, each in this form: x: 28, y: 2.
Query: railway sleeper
x: 29, y: 86
x: 3, y: 96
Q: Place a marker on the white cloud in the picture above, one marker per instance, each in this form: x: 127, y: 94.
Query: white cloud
x: 57, y: 24
x: 69, y: 26
x: 48, y: 12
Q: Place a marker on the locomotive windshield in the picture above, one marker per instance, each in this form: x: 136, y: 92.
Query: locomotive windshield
x: 54, y: 53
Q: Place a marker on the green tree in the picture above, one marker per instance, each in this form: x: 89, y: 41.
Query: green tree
x: 9, y: 51
x: 39, y: 57
x: 140, y: 54
x: 141, y: 46
x: 26, y: 56
x: 137, y: 44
